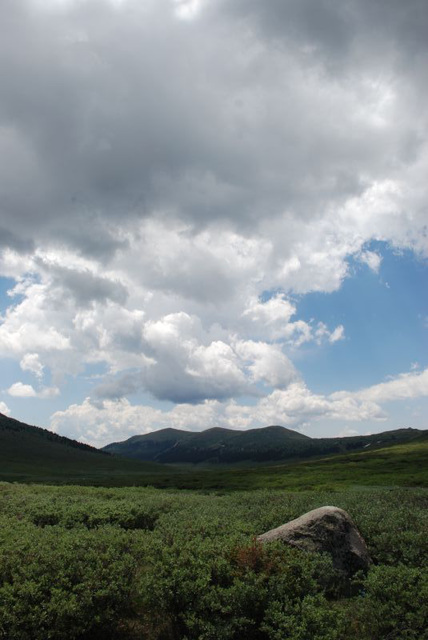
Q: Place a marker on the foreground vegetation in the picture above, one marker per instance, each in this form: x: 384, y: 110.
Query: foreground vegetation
x: 141, y: 563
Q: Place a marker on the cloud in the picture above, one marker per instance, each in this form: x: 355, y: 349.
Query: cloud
x: 4, y: 409
x: 84, y: 286
x: 371, y: 259
x: 297, y: 405
x: 175, y: 175
x: 271, y: 319
x: 276, y: 310
x: 267, y: 363
x: 48, y: 392
x: 117, y: 420
x: 337, y: 334
x: 21, y: 390
x: 322, y: 333
x: 406, y: 385
x: 187, y: 364
x: 31, y: 362
x: 187, y: 9
x: 105, y: 126
x: 23, y: 330
x: 347, y: 432
x: 341, y: 37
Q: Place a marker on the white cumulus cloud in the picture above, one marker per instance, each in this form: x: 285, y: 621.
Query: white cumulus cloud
x: 20, y: 390
x: 4, y: 409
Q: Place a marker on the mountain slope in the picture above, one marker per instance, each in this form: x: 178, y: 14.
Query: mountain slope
x: 13, y: 433
x: 226, y: 446
x: 213, y: 445
x: 144, y: 448
x: 395, y: 465
x: 30, y: 453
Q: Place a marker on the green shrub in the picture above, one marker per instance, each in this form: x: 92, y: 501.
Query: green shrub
x: 143, y: 564
x: 393, y: 605
x: 61, y: 585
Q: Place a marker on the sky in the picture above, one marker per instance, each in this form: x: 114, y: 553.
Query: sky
x: 213, y: 213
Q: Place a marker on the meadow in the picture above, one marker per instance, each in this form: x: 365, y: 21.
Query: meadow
x: 399, y: 465
x: 85, y: 563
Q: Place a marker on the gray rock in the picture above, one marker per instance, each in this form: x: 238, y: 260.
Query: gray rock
x: 327, y: 529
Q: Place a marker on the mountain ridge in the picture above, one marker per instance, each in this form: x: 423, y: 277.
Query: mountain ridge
x: 32, y: 454
x: 227, y: 446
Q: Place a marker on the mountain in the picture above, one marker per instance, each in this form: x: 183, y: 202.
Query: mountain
x: 227, y: 446
x: 30, y: 453
x: 211, y: 445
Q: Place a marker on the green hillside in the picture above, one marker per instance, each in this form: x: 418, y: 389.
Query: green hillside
x: 226, y: 446
x: 400, y: 465
x: 215, y: 445
x: 149, y: 447
x: 32, y: 454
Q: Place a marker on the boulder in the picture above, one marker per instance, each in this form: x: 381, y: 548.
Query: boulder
x: 329, y: 530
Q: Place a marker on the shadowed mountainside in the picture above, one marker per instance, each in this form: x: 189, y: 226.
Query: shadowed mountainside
x: 226, y: 446
x: 28, y: 452
x: 395, y: 458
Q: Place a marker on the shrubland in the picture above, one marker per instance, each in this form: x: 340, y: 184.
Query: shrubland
x: 82, y: 563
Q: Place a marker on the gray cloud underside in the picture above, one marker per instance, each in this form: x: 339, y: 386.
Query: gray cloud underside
x: 253, y: 109
x: 159, y: 174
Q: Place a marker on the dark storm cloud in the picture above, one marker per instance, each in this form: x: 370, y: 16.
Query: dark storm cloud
x: 324, y: 25
x: 107, y: 111
x: 11, y: 241
x: 113, y: 113
x: 335, y: 28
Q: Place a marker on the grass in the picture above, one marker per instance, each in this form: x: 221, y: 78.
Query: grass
x: 33, y: 455
x: 397, y: 466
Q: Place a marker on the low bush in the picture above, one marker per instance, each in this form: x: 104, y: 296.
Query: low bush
x: 143, y: 564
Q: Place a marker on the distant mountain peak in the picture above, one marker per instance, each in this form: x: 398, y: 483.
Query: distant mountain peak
x: 228, y: 446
